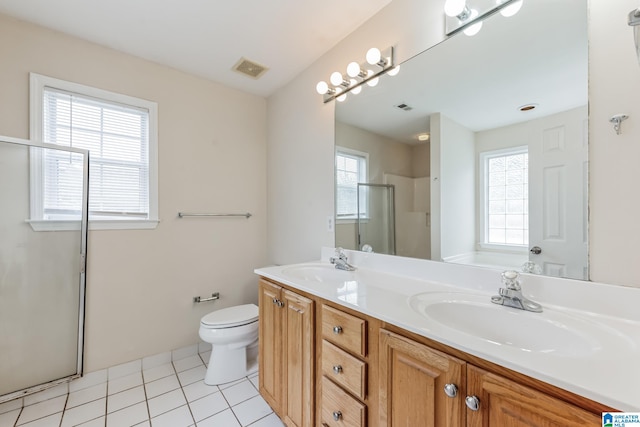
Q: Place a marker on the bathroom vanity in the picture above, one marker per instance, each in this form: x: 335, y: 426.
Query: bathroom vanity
x: 404, y: 342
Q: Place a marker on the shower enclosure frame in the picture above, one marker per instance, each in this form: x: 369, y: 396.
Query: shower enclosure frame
x: 84, y: 221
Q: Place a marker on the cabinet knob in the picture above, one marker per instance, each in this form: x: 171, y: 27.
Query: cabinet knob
x: 337, y: 369
x: 280, y: 303
x: 337, y: 415
x: 472, y: 402
x: 275, y: 300
x: 450, y: 390
x: 337, y: 330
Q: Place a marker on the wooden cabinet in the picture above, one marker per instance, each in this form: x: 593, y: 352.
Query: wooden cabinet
x: 370, y: 373
x: 505, y: 403
x: 287, y: 354
x: 412, y: 383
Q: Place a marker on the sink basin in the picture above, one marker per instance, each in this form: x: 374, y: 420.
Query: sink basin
x: 551, y: 332
x: 318, y: 273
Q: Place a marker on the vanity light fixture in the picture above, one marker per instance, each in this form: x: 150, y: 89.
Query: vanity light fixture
x: 377, y: 63
x: 467, y: 15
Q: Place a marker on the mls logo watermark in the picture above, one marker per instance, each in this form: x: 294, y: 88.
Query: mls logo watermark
x: 620, y: 419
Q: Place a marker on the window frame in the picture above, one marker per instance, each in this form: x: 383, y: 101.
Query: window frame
x: 483, y: 158
x: 363, y: 174
x: 37, y: 84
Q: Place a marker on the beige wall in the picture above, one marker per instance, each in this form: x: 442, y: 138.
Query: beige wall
x: 412, y: 26
x: 212, y: 158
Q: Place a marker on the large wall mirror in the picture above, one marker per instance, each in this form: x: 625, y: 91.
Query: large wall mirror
x: 476, y: 151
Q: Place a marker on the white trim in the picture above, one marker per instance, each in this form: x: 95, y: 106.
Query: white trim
x: 482, y: 209
x: 37, y: 84
x: 62, y: 225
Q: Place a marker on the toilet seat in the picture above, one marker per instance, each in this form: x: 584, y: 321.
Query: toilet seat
x: 231, y: 317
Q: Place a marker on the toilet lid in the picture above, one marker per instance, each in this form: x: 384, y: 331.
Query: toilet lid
x: 231, y: 316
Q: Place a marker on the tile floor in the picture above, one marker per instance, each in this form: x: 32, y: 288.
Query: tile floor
x: 169, y: 394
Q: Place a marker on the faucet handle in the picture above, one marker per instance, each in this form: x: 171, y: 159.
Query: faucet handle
x: 510, y: 279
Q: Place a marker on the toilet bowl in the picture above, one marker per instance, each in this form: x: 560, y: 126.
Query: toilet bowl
x: 233, y: 335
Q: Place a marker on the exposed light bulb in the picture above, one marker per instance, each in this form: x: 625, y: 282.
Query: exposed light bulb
x: 474, y: 29
x: 341, y: 98
x: 355, y: 90
x: 336, y: 78
x: 454, y: 7
x: 373, y: 56
x: 353, y: 69
x: 373, y: 82
x: 512, y: 9
x: 423, y: 137
x: 394, y: 71
x: 322, y: 88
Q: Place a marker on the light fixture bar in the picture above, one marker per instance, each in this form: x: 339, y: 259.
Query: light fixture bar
x: 482, y: 9
x: 367, y: 74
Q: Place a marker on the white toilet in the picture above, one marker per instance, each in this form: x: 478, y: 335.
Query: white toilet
x: 233, y: 335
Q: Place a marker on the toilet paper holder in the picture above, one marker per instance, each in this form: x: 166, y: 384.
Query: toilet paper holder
x: 214, y: 296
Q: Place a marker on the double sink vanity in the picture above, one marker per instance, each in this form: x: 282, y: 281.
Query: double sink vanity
x: 407, y: 342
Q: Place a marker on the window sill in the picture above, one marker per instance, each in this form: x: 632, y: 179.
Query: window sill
x: 74, y: 225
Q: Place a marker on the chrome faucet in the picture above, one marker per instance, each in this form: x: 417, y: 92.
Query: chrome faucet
x: 340, y: 261
x: 511, y: 294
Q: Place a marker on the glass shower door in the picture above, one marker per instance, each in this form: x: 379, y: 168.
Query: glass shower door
x: 41, y: 272
x: 376, y: 218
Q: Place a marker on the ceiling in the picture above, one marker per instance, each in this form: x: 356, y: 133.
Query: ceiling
x: 208, y: 37
x: 538, y: 56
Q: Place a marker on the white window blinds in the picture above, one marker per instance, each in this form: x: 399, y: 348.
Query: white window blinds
x: 117, y: 137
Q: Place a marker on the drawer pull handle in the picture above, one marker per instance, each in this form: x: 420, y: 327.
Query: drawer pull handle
x: 450, y: 390
x: 472, y: 402
x: 337, y: 330
x: 337, y: 415
x: 337, y: 369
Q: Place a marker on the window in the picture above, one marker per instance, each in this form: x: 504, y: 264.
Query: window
x: 505, y: 210
x: 120, y: 133
x: 351, y: 168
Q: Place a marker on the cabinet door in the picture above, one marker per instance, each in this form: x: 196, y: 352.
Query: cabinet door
x: 412, y: 381
x: 271, y: 360
x: 504, y: 403
x: 299, y: 368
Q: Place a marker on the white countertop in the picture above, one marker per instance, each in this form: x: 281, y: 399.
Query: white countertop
x: 382, y: 287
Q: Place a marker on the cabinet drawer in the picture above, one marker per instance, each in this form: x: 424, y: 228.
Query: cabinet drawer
x: 339, y: 409
x: 345, y: 330
x: 343, y: 368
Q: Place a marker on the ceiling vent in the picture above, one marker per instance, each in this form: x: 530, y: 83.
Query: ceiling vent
x: 404, y: 107
x: 250, y: 68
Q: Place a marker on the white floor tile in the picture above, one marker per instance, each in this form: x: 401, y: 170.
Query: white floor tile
x: 166, y: 402
x: 161, y: 386
x: 50, y: 393
x: 11, y: 405
x: 205, y: 356
x: 42, y: 409
x: 208, y: 406
x: 187, y: 363
x: 128, y: 416
x: 158, y: 372
x: 9, y: 418
x: 203, y: 347
x: 98, y: 422
x: 88, y: 380
x: 125, y: 398
x: 83, y: 413
x: 197, y: 390
x: 255, y: 382
x: 230, y: 384
x: 268, y: 421
x: 144, y: 424
x: 179, y: 417
x: 50, y: 421
x: 156, y: 360
x: 124, y: 383
x: 190, y: 376
x: 87, y: 395
x: 239, y: 392
x: 251, y: 410
x: 222, y: 419
x: 124, y: 369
